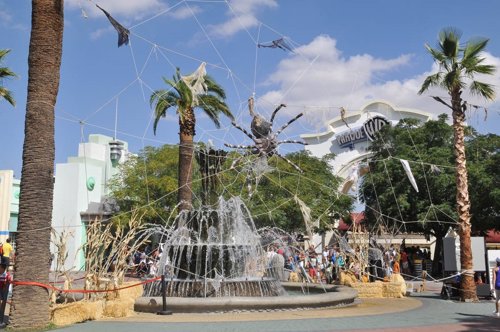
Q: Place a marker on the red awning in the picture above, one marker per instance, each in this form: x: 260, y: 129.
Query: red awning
x: 357, y: 218
x: 492, y: 236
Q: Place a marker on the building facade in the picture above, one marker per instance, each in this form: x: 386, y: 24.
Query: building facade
x: 9, y: 204
x: 349, y: 137
x: 80, y: 193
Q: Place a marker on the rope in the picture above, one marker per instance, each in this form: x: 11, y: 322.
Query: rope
x: 84, y: 291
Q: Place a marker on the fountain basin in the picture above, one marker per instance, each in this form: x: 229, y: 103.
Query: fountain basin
x: 335, y: 296
x: 258, y: 287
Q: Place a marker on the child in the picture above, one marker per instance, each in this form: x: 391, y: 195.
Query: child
x: 5, y: 281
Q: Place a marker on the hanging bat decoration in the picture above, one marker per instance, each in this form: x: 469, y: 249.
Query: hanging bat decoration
x: 123, y: 32
x: 278, y: 43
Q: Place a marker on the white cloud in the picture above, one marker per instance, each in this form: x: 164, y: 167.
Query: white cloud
x: 5, y: 17
x: 320, y: 80
x: 184, y: 12
x: 100, y: 32
x: 126, y: 8
x: 242, y: 15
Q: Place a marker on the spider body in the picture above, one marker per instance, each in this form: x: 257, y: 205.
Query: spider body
x: 264, y: 138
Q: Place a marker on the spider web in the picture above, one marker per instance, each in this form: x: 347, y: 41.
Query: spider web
x: 152, y: 57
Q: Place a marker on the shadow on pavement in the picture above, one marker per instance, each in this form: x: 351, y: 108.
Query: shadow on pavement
x: 474, y: 322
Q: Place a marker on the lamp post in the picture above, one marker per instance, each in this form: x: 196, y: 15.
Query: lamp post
x: 115, y: 152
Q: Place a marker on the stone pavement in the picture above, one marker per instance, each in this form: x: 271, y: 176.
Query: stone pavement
x: 421, y: 312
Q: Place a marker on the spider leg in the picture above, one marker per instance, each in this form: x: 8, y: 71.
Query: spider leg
x: 293, y: 142
x: 247, y: 147
x: 289, y: 162
x: 289, y: 123
x: 243, y: 130
x: 276, y: 111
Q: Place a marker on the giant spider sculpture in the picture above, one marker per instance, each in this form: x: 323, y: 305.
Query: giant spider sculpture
x: 265, y: 139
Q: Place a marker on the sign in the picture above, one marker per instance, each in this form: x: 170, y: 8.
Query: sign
x: 368, y: 131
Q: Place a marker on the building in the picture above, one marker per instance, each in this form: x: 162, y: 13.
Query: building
x: 350, y: 135
x: 9, y: 204
x: 80, y: 193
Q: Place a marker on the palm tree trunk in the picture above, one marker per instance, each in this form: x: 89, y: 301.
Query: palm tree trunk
x: 31, y: 308
x: 467, y: 285
x: 186, y: 149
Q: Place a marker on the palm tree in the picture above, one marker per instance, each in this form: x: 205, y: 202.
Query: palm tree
x: 181, y: 96
x: 37, y: 182
x: 5, y: 73
x: 458, y: 64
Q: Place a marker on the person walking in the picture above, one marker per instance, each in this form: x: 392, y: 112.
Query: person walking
x: 7, y: 253
x: 496, y: 282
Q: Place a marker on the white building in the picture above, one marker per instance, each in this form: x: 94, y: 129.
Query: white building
x: 80, y: 190
x: 9, y: 204
x: 349, y: 138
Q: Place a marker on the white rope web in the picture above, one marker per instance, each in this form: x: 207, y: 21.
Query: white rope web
x: 153, y: 57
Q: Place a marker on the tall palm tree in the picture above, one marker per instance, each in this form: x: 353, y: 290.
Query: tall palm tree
x: 181, y: 96
x: 5, y: 73
x: 458, y: 64
x: 37, y: 181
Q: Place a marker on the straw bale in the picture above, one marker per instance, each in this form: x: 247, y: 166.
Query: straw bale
x: 75, y: 312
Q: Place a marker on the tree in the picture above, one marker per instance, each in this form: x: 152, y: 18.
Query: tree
x: 146, y: 183
x: 390, y: 198
x: 429, y: 148
x: 37, y: 182
x: 181, y: 96
x: 272, y: 199
x: 271, y: 202
x: 458, y: 64
x: 5, y: 72
x: 483, y: 166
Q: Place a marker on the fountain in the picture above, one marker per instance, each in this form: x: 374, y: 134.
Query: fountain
x: 213, y: 261
x: 214, y: 253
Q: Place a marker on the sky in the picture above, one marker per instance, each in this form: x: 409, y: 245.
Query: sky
x: 345, y: 54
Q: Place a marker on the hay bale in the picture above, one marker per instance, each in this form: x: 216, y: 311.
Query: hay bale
x: 123, y: 304
x: 118, y: 304
x: 369, y: 290
x: 294, y: 277
x: 132, y: 292
x: 76, y: 312
x: 118, y: 308
x: 347, y: 278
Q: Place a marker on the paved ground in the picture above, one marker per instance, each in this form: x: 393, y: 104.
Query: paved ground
x: 421, y: 312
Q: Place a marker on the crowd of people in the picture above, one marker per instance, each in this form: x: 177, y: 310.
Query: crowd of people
x: 325, y: 265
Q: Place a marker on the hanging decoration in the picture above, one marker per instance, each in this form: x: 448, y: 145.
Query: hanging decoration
x: 278, y: 43
x: 123, y: 33
x: 409, y: 174
x: 196, y: 83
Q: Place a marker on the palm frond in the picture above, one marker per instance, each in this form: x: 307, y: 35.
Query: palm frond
x: 452, y: 79
x: 7, y: 95
x: 163, y: 100
x: 449, y: 42
x: 481, y: 69
x: 473, y: 48
x: 6, y: 72
x: 438, y: 56
x: 214, y: 88
x: 430, y: 81
x: 213, y: 107
x: 484, y: 90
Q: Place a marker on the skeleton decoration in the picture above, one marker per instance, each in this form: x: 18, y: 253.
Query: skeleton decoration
x: 123, y: 33
x: 265, y: 139
x: 278, y: 43
x: 342, y: 116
